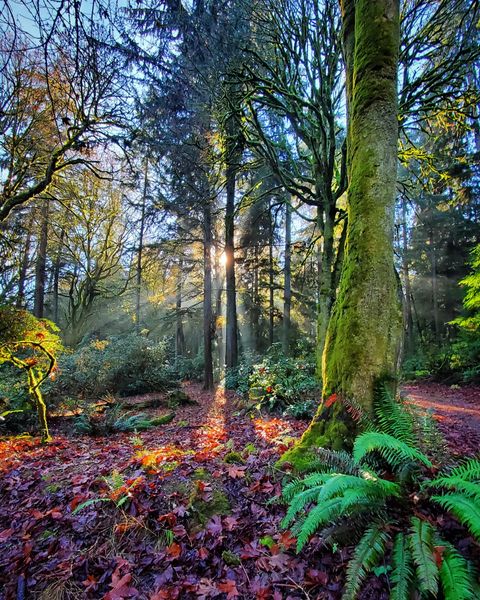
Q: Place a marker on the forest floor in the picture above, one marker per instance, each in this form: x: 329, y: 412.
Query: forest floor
x: 180, y: 511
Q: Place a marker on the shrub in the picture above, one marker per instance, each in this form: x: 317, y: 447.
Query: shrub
x: 123, y: 365
x: 279, y: 382
x: 383, y: 493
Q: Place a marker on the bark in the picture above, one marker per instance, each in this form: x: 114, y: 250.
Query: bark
x: 408, y: 316
x: 22, y: 276
x: 362, y: 338
x: 287, y: 292
x: 271, y: 281
x: 207, y: 295
x: 56, y: 276
x: 219, y: 282
x: 140, y: 251
x: 231, y: 327
x: 179, y: 333
x: 434, y: 280
x: 40, y: 263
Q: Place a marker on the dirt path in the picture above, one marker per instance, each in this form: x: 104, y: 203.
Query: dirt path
x: 457, y: 411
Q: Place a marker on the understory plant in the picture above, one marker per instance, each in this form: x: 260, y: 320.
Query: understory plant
x: 385, y: 494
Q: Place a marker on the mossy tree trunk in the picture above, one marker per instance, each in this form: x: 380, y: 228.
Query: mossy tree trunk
x: 364, y: 331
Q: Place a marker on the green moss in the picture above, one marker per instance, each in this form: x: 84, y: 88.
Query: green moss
x: 163, y: 420
x: 203, y: 510
x: 231, y: 559
x: 233, y: 458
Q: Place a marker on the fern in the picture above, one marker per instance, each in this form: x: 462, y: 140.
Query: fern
x: 298, y: 503
x: 394, y: 451
x: 336, y: 460
x: 402, y: 574
x: 470, y: 471
x: 391, y: 416
x: 367, y: 554
x: 457, y: 483
x: 455, y: 576
x: 337, y: 484
x: 421, y: 544
x: 466, y: 510
x: 318, y: 516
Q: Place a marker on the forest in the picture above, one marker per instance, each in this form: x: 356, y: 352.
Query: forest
x: 240, y: 299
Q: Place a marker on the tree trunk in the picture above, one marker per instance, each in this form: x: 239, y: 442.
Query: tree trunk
x: 271, y: 278
x: 362, y: 338
x: 231, y: 330
x: 287, y: 291
x: 56, y: 276
x: 179, y: 333
x: 22, y: 276
x: 140, y: 252
x: 40, y: 264
x: 408, y: 317
x: 433, y: 264
x: 207, y: 295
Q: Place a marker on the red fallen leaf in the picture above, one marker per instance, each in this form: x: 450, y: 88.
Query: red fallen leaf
x: 174, y: 550
x: 76, y: 500
x: 229, y: 588
x: 90, y: 583
x: 316, y: 577
x: 203, y: 553
x: 286, y: 540
x: 206, y: 589
x: 438, y: 555
x: 263, y: 593
x: 331, y: 400
x: 251, y: 551
x: 5, y: 534
x: 236, y: 472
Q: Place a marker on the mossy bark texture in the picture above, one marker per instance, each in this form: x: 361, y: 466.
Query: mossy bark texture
x: 365, y: 327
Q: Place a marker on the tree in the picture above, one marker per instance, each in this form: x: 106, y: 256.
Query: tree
x: 363, y: 334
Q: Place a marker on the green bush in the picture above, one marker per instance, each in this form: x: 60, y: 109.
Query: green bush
x: 190, y: 369
x: 382, y: 494
x: 279, y: 382
x: 121, y: 365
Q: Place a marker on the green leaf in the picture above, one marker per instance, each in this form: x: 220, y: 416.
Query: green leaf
x: 89, y: 503
x: 421, y: 544
x: 368, y: 552
x: 402, y: 574
x: 394, y: 451
x: 455, y: 575
x: 466, y: 510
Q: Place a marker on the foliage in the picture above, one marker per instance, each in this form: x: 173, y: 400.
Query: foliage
x: 123, y: 365
x: 190, y: 369
x: 282, y: 382
x: 381, y: 493
x: 30, y: 344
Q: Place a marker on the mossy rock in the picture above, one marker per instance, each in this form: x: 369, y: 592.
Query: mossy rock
x: 179, y: 398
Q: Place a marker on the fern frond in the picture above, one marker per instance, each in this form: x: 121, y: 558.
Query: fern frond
x: 470, y: 470
x: 394, y: 451
x: 336, y: 460
x: 391, y: 415
x: 466, y: 510
x: 358, y: 414
x: 457, y: 483
x: 298, y: 503
x: 402, y: 564
x: 339, y: 483
x: 317, y: 517
x: 455, y: 575
x: 367, y: 554
x: 292, y: 489
x: 421, y: 544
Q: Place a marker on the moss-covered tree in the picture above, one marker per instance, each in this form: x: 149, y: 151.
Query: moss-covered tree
x: 363, y: 334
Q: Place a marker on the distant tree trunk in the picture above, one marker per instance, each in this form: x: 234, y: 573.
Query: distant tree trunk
x: 256, y: 301
x: 271, y: 277
x: 179, y: 333
x: 363, y: 333
x: 22, y: 275
x: 207, y: 295
x: 140, y: 251
x: 40, y: 263
x: 219, y: 282
x: 56, y: 276
x: 287, y: 292
x: 434, y: 279
x: 231, y: 333
x: 408, y: 316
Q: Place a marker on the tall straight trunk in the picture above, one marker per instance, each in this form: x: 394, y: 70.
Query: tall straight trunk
x: 231, y: 328
x: 287, y: 290
x: 256, y: 301
x: 56, y: 276
x: 364, y: 330
x: 40, y: 263
x: 434, y: 280
x: 207, y: 295
x: 140, y: 251
x: 179, y: 333
x: 22, y: 275
x: 408, y: 316
x: 270, y: 278
x: 219, y: 282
